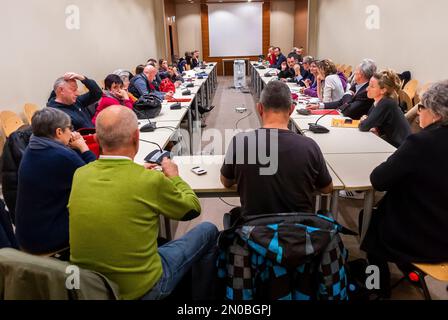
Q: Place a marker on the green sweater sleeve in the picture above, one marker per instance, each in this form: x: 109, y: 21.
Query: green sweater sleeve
x: 176, y: 200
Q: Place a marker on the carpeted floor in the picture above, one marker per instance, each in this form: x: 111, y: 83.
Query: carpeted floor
x: 225, y: 117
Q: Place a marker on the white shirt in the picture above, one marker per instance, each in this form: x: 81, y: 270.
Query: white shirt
x: 115, y: 157
x: 333, y: 90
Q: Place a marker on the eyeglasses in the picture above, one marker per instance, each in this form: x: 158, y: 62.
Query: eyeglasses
x: 420, y: 107
x: 71, y: 127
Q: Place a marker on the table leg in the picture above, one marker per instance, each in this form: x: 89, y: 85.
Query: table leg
x: 207, y: 95
x: 368, y: 207
x: 334, y: 204
x: 190, y: 129
x: 167, y: 223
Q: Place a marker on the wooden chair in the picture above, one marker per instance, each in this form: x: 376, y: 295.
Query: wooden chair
x: 404, y: 98
x: 29, y: 109
x: 10, y: 122
x: 348, y: 71
x: 411, y: 88
x: 437, y: 271
x: 342, y: 67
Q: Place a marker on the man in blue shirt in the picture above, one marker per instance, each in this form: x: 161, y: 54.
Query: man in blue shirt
x: 66, y: 98
x: 280, y: 59
x: 144, y: 84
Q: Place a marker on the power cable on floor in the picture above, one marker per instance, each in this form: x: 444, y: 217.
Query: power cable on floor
x: 246, y: 116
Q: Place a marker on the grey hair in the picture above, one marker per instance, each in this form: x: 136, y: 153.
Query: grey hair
x: 59, y: 83
x: 114, y: 133
x: 308, y: 59
x: 45, y: 122
x: 368, y: 68
x: 436, y: 99
x: 276, y: 95
x: 123, y: 74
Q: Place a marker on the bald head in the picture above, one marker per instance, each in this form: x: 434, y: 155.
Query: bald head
x: 117, y: 128
x: 150, y: 72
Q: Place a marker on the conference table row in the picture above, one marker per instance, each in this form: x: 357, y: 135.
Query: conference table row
x: 191, y: 98
x: 351, y: 154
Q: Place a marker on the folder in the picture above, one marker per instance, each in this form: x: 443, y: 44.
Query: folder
x: 345, y: 123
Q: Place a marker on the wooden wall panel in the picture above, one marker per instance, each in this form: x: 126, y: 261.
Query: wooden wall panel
x: 301, y: 25
x: 170, y: 11
x: 206, y: 38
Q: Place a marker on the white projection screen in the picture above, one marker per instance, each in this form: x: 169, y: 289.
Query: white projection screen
x: 235, y: 29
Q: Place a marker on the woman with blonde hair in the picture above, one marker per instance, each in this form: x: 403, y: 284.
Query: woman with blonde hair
x: 385, y: 117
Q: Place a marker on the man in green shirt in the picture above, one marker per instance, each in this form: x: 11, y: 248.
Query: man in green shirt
x: 115, y: 206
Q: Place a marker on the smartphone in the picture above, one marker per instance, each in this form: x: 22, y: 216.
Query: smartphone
x: 198, y: 170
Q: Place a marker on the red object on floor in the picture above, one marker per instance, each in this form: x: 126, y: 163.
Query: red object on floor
x: 414, y: 277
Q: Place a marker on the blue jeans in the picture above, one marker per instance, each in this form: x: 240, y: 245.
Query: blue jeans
x: 195, y: 250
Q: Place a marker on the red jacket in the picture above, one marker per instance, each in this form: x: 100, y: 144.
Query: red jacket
x: 107, y: 101
x: 272, y: 60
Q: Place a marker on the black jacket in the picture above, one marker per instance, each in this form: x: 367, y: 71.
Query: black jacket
x: 7, y: 237
x: 288, y: 73
x: 278, y: 64
x: 78, y: 112
x: 388, y: 118
x: 353, y: 106
x: 412, y: 218
x: 12, y: 156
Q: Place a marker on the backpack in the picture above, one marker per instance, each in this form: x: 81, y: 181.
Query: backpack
x: 148, y: 106
x: 167, y: 85
x: 13, y: 151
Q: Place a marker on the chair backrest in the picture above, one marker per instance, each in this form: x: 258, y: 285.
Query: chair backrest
x: 437, y: 271
x: 348, y: 71
x: 10, y: 122
x: 411, y: 88
x: 29, y: 109
x: 28, y: 277
x: 405, y: 100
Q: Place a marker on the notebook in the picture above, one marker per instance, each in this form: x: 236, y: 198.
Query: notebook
x: 345, y: 123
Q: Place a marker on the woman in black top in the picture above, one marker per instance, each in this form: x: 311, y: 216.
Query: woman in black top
x: 411, y: 222
x: 385, y: 118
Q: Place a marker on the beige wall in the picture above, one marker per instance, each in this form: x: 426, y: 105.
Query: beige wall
x: 412, y: 35
x: 188, y: 19
x: 37, y: 47
x: 282, y: 25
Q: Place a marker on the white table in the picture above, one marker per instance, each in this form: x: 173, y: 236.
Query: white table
x: 350, y: 153
x: 354, y: 171
x: 209, y: 184
x: 342, y: 140
x: 160, y: 136
x: 166, y: 114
